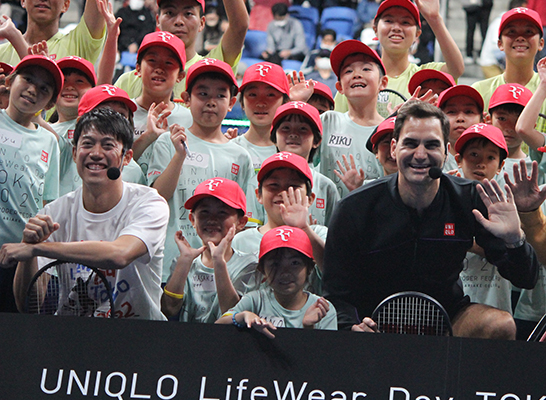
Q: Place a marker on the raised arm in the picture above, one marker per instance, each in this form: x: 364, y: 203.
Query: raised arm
x: 107, y: 62
x: 93, y: 18
x: 234, y: 36
x: 9, y: 32
x: 452, y: 55
x: 525, y: 127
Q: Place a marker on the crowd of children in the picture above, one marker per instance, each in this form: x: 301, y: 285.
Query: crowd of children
x: 248, y: 216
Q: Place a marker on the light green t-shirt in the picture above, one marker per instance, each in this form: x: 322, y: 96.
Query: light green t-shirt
x: 206, y: 160
x: 258, y: 153
x: 29, y: 174
x: 200, y: 295
x: 70, y: 179
x: 179, y: 115
x: 132, y: 83
x: 341, y: 136
x: 398, y: 83
x: 77, y: 42
x: 264, y: 304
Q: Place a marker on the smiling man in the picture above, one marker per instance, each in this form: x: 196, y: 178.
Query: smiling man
x: 409, y: 231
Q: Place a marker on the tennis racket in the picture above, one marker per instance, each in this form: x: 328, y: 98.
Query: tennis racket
x: 412, y: 313
x: 539, y: 333
x: 70, y: 289
x: 387, y: 100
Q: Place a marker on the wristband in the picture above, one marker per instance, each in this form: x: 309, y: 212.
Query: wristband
x: 237, y: 324
x: 517, y: 244
x: 173, y: 295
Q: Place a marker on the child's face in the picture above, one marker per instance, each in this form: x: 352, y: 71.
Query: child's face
x: 520, y: 39
x: 74, y: 87
x: 272, y: 188
x: 160, y: 70
x: 296, y: 136
x: 462, y: 113
x: 209, y: 102
x: 320, y: 103
x: 480, y: 161
x: 212, y: 219
x: 31, y: 91
x: 181, y: 18
x: 360, y: 77
x: 396, y: 30
x: 436, y: 85
x: 506, y: 122
x: 384, y: 156
x: 260, y: 103
x: 287, y: 274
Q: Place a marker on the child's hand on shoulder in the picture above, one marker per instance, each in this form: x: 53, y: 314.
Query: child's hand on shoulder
x: 178, y: 137
x: 187, y: 253
x: 316, y: 313
x: 218, y: 252
x: 295, y: 208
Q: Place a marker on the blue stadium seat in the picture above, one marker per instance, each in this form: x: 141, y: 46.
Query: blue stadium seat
x: 309, y: 17
x: 340, y: 19
x: 291, y: 65
x: 255, y: 44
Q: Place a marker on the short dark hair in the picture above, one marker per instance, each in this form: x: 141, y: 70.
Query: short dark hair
x: 106, y: 122
x: 483, y: 141
x: 280, y: 253
x: 163, y: 2
x: 317, y: 136
x: 19, y: 71
x: 68, y: 71
x: 213, y: 75
x: 329, y: 31
x: 421, y: 110
x: 280, y: 9
x: 141, y: 55
x: 308, y: 184
x: 240, y: 213
x: 510, y: 108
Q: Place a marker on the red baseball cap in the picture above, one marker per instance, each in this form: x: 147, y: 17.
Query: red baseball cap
x: 269, y: 73
x: 6, y: 67
x: 99, y: 94
x: 201, y: 2
x: 300, y: 108
x: 490, y: 132
x: 510, y: 93
x: 81, y: 64
x: 167, y: 40
x: 47, y: 63
x: 460, y: 90
x: 225, y: 190
x: 384, y: 128
x: 288, y: 237
x: 520, y: 13
x: 323, y: 90
x: 349, y: 47
x: 285, y: 159
x: 407, y: 4
x: 210, y: 65
x: 426, y: 74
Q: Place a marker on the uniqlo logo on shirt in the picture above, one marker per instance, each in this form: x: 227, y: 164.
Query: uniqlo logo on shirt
x: 449, y: 230
x: 234, y: 169
x: 45, y: 156
x: 320, y: 203
x: 249, y: 214
x: 70, y: 134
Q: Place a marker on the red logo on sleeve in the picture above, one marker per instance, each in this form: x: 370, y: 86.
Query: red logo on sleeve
x: 70, y: 134
x: 449, y: 230
x: 234, y: 169
x: 320, y: 203
x: 45, y: 156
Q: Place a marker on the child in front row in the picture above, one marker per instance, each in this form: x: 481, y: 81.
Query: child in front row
x: 206, y: 281
x: 286, y: 260
x: 481, y: 151
x: 175, y: 172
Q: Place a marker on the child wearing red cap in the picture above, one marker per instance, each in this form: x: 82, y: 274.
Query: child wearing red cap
x: 397, y: 25
x: 285, y: 184
x: 175, y: 172
x: 206, y: 281
x: 160, y: 65
x: 30, y: 154
x: 481, y: 151
x: 505, y: 107
x: 286, y: 260
x: 430, y: 79
x: 185, y: 19
x: 463, y: 106
x: 263, y: 90
x: 321, y: 98
x: 380, y: 144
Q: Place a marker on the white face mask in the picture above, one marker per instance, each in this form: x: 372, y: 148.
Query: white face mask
x: 322, y: 63
x: 281, y: 23
x: 136, y: 4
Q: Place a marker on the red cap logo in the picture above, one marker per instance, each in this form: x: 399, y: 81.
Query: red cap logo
x: 284, y: 234
x: 213, y: 183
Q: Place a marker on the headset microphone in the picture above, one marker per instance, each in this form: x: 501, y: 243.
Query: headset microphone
x: 435, y: 172
x: 114, y: 173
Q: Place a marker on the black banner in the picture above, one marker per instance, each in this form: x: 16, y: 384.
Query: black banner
x: 82, y: 358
